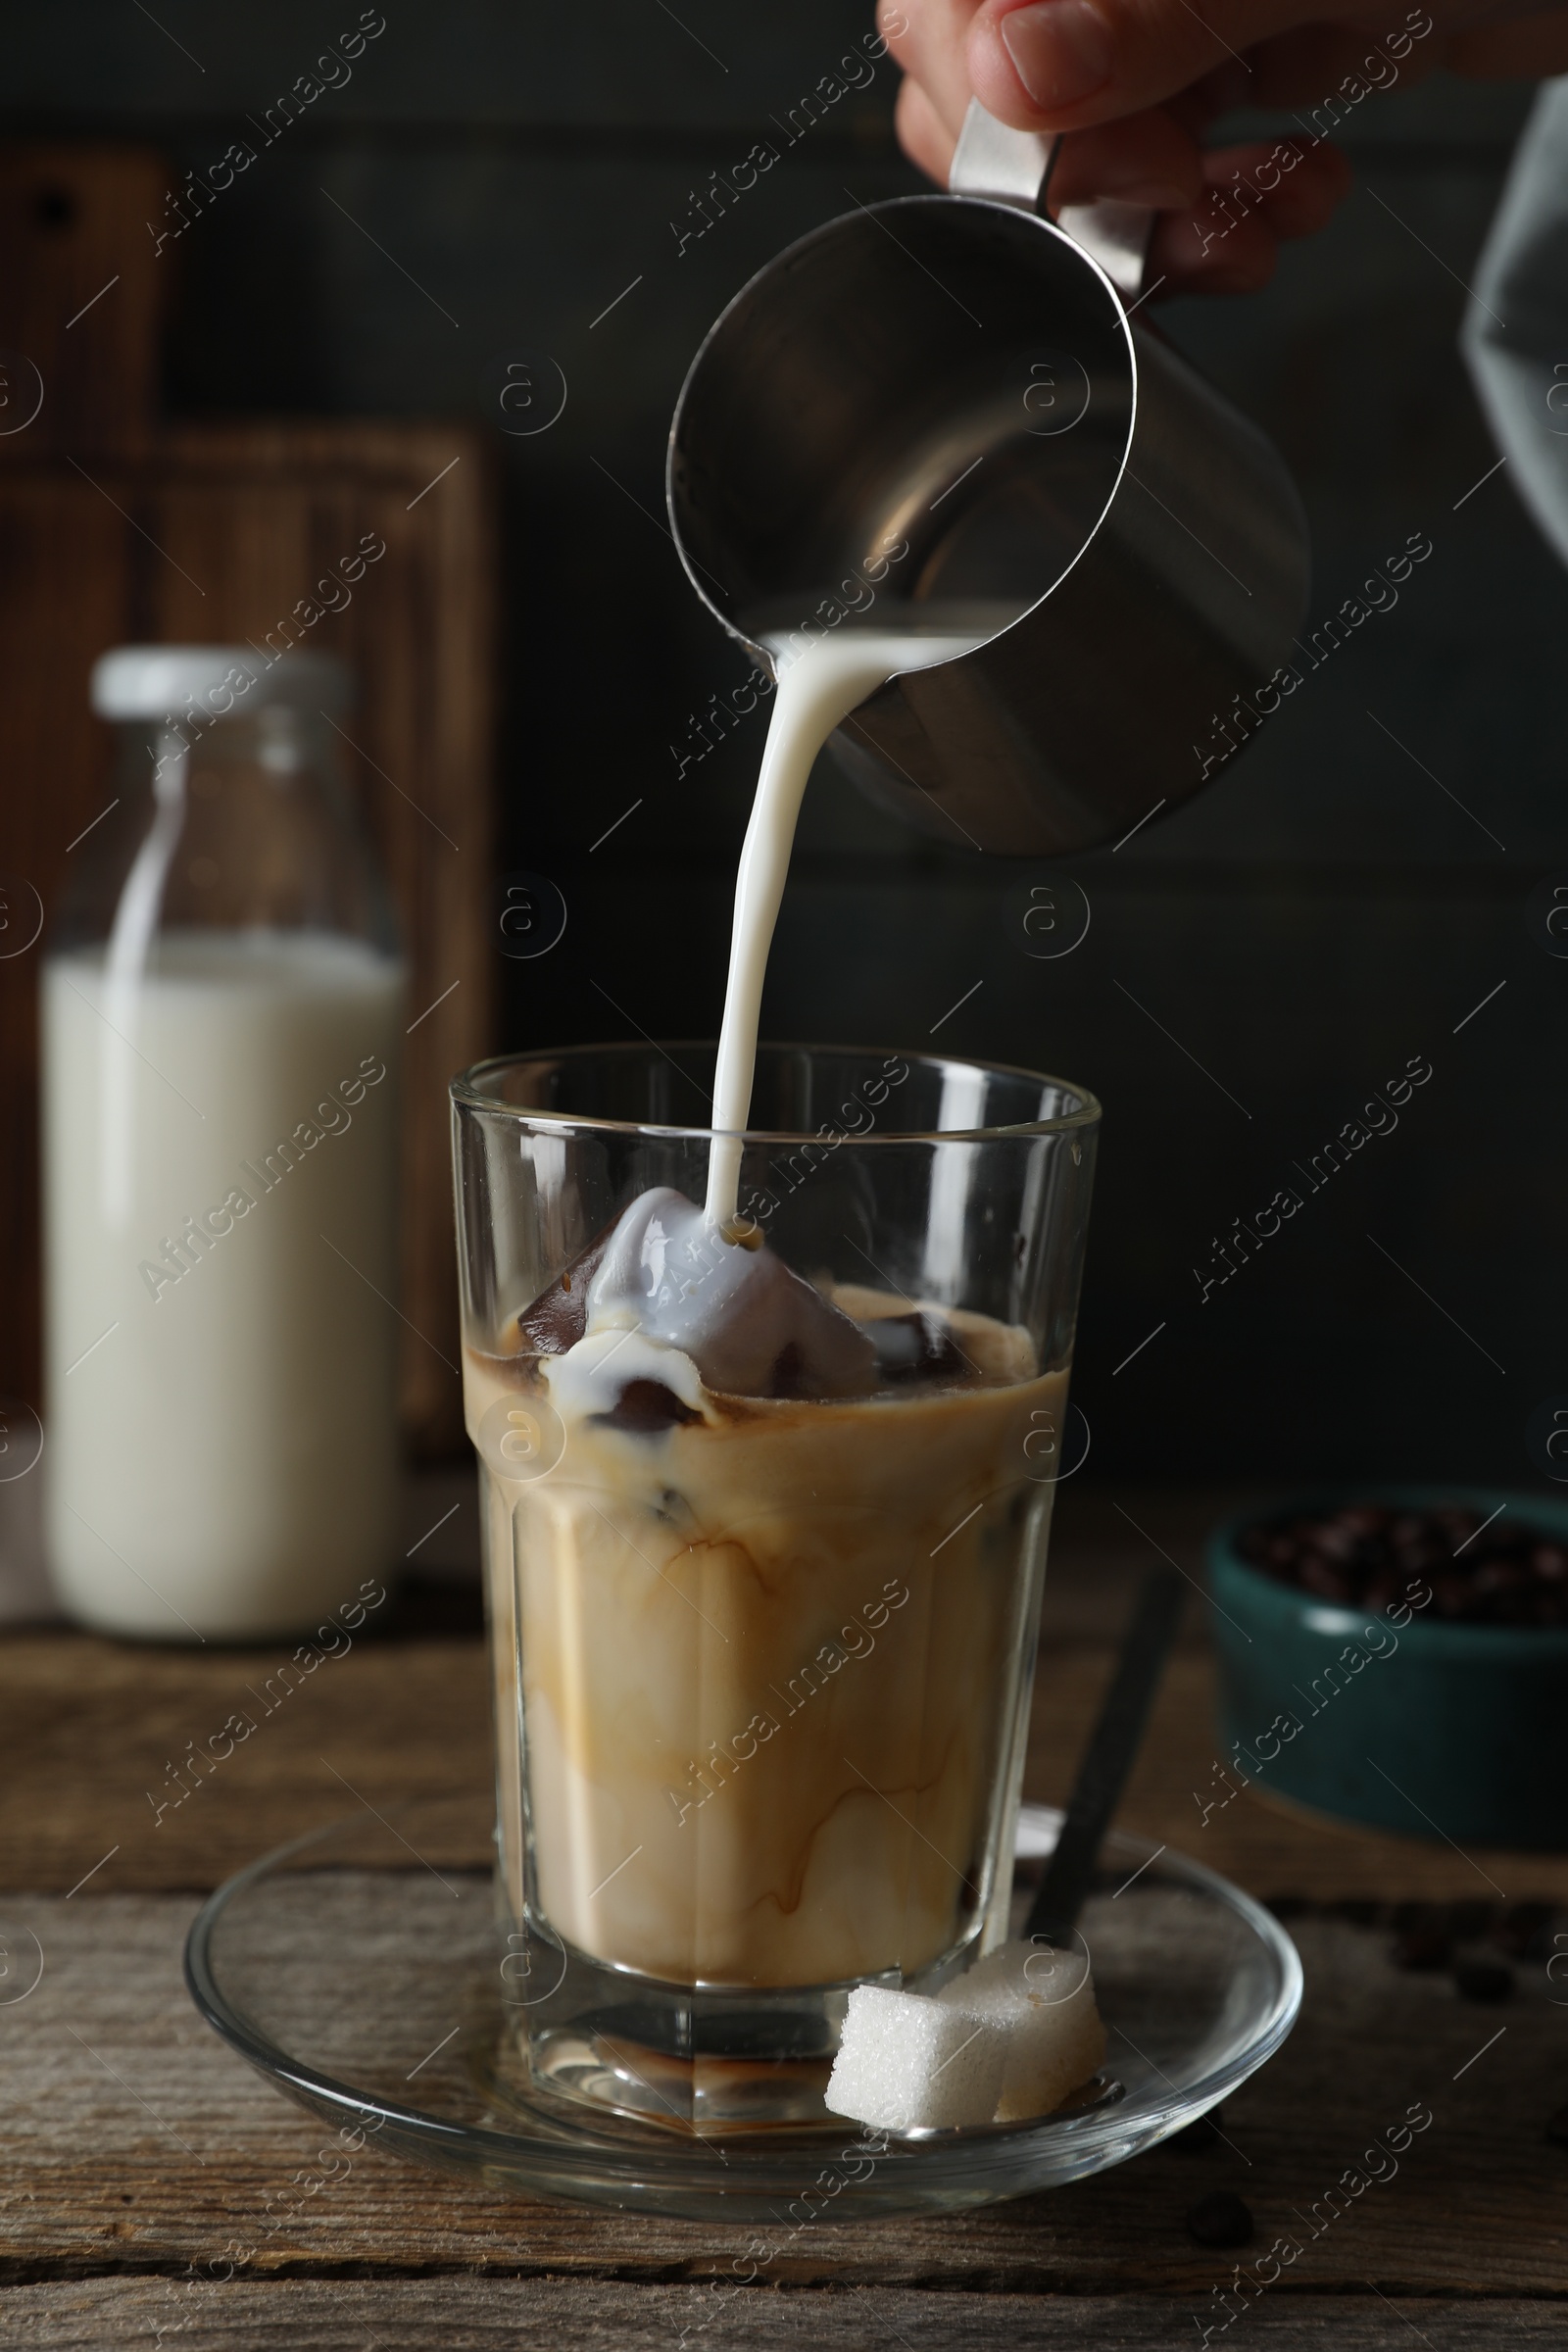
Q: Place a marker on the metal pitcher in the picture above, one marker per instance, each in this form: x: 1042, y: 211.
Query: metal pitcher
x: 950, y: 401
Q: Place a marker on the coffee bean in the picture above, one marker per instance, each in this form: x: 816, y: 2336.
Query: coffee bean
x: 1369, y: 1556
x: 1221, y: 2219
x: 1484, y: 1981
x: 1469, y: 1918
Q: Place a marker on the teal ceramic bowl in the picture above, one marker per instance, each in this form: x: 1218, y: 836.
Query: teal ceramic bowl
x: 1430, y: 1728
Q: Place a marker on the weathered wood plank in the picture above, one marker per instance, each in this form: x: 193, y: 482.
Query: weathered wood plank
x: 135, y: 2141
x: 92, y: 1729
x: 451, y: 2315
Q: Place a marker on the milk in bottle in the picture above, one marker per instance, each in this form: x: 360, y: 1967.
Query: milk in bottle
x: 222, y: 1016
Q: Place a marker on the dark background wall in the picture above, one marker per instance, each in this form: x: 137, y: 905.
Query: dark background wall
x: 491, y: 180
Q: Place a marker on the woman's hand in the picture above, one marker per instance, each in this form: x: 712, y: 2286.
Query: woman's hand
x: 1132, y: 84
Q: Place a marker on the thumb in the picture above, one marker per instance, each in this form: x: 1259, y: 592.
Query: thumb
x: 1064, y: 64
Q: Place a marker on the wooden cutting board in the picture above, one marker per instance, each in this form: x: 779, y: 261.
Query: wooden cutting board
x: 118, y: 527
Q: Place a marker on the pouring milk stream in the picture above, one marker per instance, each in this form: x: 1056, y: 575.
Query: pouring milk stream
x: 818, y: 689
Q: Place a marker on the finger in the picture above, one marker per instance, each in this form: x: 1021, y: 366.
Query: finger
x: 922, y: 133
x: 1065, y: 64
x: 1257, y: 196
x: 1307, y: 198
x: 1149, y: 158
x: 1293, y: 183
x: 926, y: 38
x: 1186, y: 257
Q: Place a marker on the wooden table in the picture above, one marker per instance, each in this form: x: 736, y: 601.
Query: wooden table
x: 136, y: 2145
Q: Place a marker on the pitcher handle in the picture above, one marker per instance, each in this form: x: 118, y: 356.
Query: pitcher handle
x: 1014, y: 167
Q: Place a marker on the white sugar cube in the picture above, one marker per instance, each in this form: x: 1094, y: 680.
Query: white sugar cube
x: 1044, y: 2002
x: 906, y: 2063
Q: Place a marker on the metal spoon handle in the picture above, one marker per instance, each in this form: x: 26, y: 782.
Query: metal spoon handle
x: 1108, y: 1758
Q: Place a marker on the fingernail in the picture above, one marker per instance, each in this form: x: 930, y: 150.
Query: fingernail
x: 1061, y: 50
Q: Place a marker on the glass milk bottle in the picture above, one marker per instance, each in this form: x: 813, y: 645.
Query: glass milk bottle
x: 223, y: 1010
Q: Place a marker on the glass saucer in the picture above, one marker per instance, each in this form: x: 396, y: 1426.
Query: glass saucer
x: 368, y: 1986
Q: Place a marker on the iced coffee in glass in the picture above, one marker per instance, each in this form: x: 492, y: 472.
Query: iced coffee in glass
x: 765, y: 1508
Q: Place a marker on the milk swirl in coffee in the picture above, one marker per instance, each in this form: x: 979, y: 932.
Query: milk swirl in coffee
x: 768, y: 1599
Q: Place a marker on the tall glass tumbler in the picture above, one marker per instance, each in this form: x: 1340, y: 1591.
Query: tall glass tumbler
x: 762, y: 1676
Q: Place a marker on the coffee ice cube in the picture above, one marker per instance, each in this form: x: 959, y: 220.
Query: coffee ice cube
x: 747, y: 1321
x: 918, y: 1345
x: 906, y: 2063
x: 554, y: 1321
x: 1042, y: 2000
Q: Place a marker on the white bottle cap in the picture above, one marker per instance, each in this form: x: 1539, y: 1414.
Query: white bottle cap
x: 168, y: 681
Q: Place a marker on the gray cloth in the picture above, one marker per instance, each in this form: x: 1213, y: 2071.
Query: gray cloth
x: 1515, y: 331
